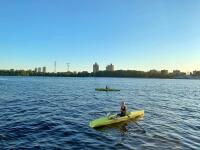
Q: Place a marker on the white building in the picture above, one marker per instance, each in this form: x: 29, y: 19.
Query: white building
x: 44, y: 69
x: 95, y: 68
x: 39, y: 69
x: 110, y: 67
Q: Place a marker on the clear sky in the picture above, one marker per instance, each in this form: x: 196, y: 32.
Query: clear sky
x: 131, y: 34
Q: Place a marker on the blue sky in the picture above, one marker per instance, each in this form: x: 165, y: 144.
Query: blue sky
x: 131, y: 34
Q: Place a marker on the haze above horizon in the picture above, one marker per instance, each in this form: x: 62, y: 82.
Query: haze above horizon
x: 131, y: 34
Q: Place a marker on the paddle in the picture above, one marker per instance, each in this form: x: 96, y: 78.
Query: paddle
x: 114, y: 111
x: 140, y: 127
x: 100, y: 112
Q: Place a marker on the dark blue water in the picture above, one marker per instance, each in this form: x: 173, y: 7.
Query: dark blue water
x: 53, y: 113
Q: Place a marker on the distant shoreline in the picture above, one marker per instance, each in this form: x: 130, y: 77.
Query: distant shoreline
x: 114, y: 74
x: 186, y: 78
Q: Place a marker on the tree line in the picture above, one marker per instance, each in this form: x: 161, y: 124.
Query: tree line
x: 117, y: 73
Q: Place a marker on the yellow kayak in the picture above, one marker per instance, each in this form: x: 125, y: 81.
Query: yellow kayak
x: 108, y: 120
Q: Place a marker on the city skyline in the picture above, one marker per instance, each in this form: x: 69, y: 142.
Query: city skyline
x: 135, y: 35
x: 96, y: 68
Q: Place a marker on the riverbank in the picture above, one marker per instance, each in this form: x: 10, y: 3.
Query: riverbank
x: 115, y: 74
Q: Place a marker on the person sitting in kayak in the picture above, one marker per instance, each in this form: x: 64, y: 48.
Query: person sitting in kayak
x: 123, y: 112
x: 123, y: 109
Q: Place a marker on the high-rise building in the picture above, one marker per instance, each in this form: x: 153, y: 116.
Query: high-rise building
x: 44, y: 69
x: 39, y: 69
x: 110, y: 67
x: 36, y: 69
x: 95, y: 68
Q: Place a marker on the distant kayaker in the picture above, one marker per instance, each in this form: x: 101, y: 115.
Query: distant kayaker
x: 123, y: 109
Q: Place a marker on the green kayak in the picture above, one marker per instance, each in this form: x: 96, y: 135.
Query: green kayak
x: 106, y: 90
x: 112, y: 119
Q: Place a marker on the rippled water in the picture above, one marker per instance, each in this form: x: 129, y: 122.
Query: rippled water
x: 53, y: 113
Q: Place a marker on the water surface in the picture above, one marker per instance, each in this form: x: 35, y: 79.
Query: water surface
x: 54, y: 113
